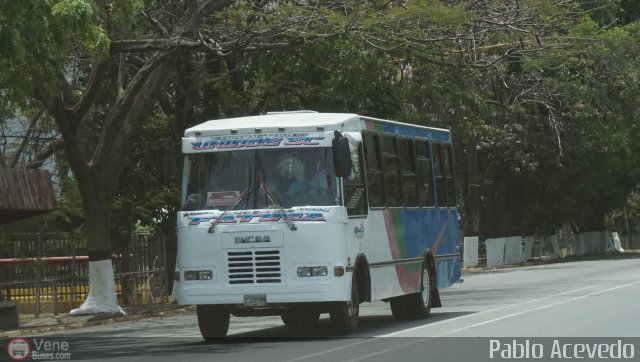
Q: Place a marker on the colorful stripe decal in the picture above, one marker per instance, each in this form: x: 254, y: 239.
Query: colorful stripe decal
x: 408, y: 274
x: 441, y: 235
x: 373, y: 126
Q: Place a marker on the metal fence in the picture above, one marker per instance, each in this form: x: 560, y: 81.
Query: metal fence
x: 49, y: 272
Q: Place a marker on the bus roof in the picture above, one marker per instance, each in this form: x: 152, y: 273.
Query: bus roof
x: 290, y: 122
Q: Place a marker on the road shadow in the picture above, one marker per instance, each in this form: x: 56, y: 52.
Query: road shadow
x: 257, y: 342
x: 369, y: 326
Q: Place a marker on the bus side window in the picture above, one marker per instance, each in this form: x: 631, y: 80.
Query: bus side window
x: 425, y: 174
x: 391, y: 171
x: 194, y: 195
x: 355, y: 193
x: 447, y: 153
x: 438, y: 161
x: 373, y: 170
x: 407, y: 166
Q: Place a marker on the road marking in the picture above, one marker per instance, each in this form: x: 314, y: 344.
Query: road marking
x: 318, y: 354
x: 430, y: 325
x: 538, y: 308
x: 331, y: 350
x: 394, y: 334
x: 387, y: 350
x: 414, y: 341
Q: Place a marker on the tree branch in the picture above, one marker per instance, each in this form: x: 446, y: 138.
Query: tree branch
x: 125, y: 117
x: 124, y: 104
x: 26, y: 139
x: 45, y: 153
x: 97, y: 75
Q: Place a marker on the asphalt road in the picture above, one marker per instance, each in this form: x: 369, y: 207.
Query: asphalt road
x: 586, y: 302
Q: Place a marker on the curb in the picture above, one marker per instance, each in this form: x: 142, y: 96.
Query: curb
x: 627, y: 254
x: 99, y: 319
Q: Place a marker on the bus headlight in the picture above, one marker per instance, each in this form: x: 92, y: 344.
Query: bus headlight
x: 312, y: 271
x: 198, y: 275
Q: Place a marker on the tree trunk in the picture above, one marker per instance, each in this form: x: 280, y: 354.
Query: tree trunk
x: 102, y: 296
x: 469, y: 183
x: 98, y: 210
x: 98, y: 158
x: 501, y: 212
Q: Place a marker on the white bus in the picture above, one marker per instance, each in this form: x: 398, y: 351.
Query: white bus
x: 302, y: 213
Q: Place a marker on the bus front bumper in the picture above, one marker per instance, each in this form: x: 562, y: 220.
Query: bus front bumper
x: 189, y: 293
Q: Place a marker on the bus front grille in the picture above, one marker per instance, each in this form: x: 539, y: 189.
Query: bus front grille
x: 254, y: 267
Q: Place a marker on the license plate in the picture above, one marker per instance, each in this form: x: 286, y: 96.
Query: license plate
x: 255, y: 300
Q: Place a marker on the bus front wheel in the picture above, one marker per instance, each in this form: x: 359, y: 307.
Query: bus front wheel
x: 290, y: 318
x: 345, y: 315
x: 213, y: 321
x: 309, y: 318
x: 296, y: 317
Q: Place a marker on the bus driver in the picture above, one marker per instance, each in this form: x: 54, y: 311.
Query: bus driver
x: 291, y: 167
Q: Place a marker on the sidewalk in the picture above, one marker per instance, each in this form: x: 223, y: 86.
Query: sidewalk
x: 29, y: 325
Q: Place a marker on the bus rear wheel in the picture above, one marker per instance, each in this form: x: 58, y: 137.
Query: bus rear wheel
x: 345, y: 315
x: 416, y: 305
x: 213, y: 321
x: 419, y: 304
x: 399, y: 308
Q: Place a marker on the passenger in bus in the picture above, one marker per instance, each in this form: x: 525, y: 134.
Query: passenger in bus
x: 295, y: 170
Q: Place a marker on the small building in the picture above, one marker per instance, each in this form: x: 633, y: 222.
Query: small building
x: 25, y: 193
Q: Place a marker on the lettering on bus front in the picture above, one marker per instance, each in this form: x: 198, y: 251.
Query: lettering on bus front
x: 232, y: 219
x: 256, y: 142
x: 252, y: 239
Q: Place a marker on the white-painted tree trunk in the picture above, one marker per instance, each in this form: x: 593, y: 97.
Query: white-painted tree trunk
x: 617, y: 244
x: 470, y: 250
x: 513, y: 250
x: 495, y: 251
x: 527, y: 253
x: 102, y: 295
x: 592, y: 242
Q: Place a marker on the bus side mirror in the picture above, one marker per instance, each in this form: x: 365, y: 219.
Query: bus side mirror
x: 341, y: 156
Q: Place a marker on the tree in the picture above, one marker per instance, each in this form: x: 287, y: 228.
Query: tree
x: 98, y: 69
x: 103, y: 70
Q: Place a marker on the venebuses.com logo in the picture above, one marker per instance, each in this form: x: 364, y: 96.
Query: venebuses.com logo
x: 20, y: 349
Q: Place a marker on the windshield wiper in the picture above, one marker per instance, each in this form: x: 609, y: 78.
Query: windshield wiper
x: 244, y: 194
x: 273, y: 199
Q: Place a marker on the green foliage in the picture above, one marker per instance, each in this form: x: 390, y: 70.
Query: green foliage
x: 548, y: 103
x: 149, y: 191
x: 38, y: 34
x: 436, y: 14
x: 630, y: 11
x: 604, y: 12
x: 585, y: 28
x: 617, y: 40
x: 124, y: 14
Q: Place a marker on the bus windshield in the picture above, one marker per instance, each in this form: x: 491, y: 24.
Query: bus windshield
x: 295, y: 177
